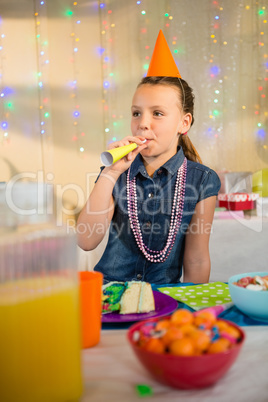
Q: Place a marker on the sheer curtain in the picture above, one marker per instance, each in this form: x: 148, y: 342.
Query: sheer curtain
x: 69, y: 70
x: 221, y: 50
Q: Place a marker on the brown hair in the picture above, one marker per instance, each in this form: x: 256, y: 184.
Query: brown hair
x: 186, y: 98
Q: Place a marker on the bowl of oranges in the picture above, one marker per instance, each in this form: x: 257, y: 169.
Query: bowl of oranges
x: 186, y: 350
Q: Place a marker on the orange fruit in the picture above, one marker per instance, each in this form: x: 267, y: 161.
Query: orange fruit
x: 142, y: 340
x: 162, y: 324
x: 181, y: 317
x: 188, y: 329
x: 182, y: 347
x: 172, y: 334
x: 205, y: 318
x: 221, y: 325
x: 201, y: 340
x: 154, y: 345
x: 232, y: 331
x: 220, y: 345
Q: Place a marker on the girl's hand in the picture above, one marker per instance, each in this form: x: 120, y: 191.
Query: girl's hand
x: 123, y: 164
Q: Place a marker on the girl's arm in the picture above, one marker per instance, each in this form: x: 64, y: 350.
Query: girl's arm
x: 196, y: 262
x: 96, y: 216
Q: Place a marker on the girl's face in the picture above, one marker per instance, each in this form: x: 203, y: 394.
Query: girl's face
x: 157, y: 116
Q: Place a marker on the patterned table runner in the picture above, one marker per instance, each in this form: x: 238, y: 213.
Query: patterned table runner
x: 200, y: 296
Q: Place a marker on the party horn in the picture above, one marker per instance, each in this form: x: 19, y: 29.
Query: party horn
x: 113, y: 155
x: 216, y: 310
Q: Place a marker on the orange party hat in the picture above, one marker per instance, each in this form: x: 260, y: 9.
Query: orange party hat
x: 162, y: 63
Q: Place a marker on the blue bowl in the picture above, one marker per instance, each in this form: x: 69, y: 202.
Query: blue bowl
x: 250, y: 302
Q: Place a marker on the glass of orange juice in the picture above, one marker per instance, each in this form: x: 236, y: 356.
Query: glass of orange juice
x: 40, y: 339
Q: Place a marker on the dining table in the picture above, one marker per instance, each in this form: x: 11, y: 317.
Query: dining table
x: 112, y: 372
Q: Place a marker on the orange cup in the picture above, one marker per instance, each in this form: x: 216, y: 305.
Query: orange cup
x: 90, y: 307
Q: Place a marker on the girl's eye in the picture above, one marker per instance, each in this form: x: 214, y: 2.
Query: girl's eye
x: 135, y: 114
x: 156, y: 113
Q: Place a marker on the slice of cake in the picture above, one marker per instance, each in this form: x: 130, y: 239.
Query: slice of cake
x: 131, y: 298
x: 111, y: 296
x: 146, y: 302
x: 128, y: 297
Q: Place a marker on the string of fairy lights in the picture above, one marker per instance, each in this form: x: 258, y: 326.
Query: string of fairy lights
x: 216, y: 78
x: 146, y: 48
x: 6, y: 104
x: 261, y: 108
x: 40, y: 16
x: 78, y: 134
x: 111, y: 117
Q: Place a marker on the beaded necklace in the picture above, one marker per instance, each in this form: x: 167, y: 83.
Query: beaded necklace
x: 175, y: 220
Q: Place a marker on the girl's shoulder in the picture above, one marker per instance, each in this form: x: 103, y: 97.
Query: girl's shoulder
x: 199, y: 167
x: 203, y: 177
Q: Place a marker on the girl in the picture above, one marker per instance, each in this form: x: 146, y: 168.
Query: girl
x: 158, y: 201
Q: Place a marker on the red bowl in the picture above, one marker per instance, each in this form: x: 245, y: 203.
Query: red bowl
x: 185, y: 372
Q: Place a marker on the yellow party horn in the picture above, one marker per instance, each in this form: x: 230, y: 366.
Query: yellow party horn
x: 113, y: 155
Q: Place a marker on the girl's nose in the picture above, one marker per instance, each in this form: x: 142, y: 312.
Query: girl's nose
x: 144, y: 123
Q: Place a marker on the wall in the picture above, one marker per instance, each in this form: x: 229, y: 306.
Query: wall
x: 61, y: 57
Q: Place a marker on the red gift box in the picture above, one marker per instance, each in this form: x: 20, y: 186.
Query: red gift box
x: 238, y: 201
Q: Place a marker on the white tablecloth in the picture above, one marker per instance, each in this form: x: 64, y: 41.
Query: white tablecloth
x: 111, y: 372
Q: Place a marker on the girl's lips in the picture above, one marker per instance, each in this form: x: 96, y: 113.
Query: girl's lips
x: 145, y: 140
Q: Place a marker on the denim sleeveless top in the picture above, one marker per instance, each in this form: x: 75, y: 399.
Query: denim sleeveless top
x: 122, y: 260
